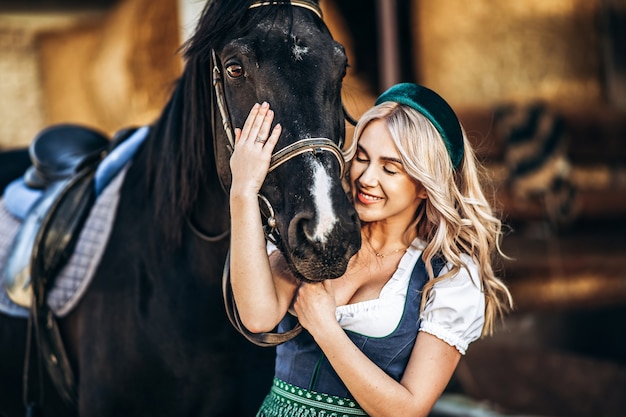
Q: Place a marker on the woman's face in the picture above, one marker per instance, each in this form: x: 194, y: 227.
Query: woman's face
x: 381, y: 188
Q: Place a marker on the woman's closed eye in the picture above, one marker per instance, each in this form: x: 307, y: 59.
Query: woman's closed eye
x: 361, y: 157
x: 391, y: 170
x: 387, y: 167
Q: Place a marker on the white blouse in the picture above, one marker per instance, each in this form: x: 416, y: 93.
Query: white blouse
x: 454, y: 310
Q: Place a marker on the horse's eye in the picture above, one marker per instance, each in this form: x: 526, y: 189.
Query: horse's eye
x: 234, y: 70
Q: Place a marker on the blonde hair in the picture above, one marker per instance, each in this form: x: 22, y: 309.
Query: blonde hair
x: 456, y: 218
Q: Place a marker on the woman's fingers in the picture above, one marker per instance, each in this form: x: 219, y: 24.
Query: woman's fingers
x: 258, y: 124
x: 245, y: 131
x: 273, y: 138
x: 262, y: 123
x: 266, y: 124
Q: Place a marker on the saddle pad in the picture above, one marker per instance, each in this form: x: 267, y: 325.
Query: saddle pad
x: 74, y: 278
x: 9, y: 226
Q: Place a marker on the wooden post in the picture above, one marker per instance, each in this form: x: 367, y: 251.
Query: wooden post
x: 614, y: 51
x: 388, y: 44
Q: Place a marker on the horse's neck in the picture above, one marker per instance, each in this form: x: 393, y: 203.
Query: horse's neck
x: 211, y: 212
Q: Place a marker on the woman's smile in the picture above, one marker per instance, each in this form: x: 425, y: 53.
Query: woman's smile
x: 367, y: 198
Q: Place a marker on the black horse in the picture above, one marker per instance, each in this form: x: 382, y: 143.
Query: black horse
x: 150, y: 337
x: 13, y: 163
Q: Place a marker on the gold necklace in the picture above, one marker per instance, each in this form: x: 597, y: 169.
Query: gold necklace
x: 382, y: 255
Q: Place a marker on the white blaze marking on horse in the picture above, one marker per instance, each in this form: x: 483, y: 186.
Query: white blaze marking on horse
x: 326, y: 218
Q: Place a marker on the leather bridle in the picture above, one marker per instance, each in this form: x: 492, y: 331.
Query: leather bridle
x: 314, y: 145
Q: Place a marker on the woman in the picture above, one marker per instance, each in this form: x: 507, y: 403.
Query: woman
x: 385, y: 338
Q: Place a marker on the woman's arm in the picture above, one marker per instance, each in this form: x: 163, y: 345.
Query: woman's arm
x: 429, y: 370
x: 262, y: 297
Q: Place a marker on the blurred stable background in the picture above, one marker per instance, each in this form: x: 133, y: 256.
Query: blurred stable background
x: 540, y: 85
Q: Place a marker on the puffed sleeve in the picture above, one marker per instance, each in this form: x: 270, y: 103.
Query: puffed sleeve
x: 455, y: 308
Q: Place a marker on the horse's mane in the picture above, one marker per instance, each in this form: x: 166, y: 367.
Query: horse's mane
x: 180, y: 155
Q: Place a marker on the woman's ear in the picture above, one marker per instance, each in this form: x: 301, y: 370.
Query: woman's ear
x: 421, y: 192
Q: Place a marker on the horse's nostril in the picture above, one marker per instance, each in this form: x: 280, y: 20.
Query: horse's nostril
x: 302, y: 228
x: 320, y: 247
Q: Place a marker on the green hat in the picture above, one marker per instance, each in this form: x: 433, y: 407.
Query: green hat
x: 435, y: 108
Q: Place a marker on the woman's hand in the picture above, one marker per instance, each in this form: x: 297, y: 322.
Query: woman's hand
x: 315, y: 306
x: 254, y: 145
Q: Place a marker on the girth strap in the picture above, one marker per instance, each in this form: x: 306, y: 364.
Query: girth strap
x: 53, y: 246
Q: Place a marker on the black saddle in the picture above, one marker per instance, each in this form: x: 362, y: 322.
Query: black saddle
x: 58, y: 154
x: 59, y: 151
x: 64, y: 161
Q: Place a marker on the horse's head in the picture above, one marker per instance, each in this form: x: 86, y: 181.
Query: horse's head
x: 285, y: 55
x: 275, y: 51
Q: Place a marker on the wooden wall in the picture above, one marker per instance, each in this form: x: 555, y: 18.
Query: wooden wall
x: 106, y: 68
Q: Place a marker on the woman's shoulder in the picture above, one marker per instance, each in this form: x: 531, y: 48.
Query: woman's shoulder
x: 467, y: 275
x: 455, y: 307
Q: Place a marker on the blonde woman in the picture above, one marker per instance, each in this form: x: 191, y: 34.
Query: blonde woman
x: 385, y: 338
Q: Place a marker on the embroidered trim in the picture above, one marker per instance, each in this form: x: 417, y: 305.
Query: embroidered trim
x: 286, y: 400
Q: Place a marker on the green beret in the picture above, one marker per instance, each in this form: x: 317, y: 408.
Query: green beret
x: 435, y: 108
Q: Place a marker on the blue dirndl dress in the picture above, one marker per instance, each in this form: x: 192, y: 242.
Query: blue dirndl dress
x: 305, y: 384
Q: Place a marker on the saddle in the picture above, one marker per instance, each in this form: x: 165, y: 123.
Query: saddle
x: 63, y: 159
x: 64, y: 162
x: 59, y: 152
